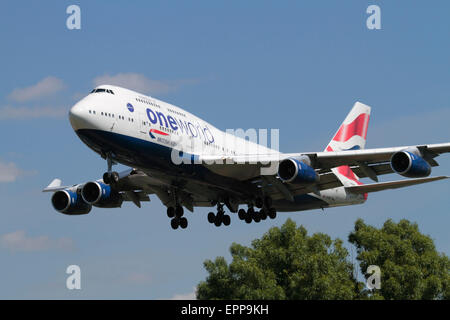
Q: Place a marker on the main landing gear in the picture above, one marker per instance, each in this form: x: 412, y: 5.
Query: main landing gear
x: 219, y: 218
x: 266, y: 210
x: 176, y: 213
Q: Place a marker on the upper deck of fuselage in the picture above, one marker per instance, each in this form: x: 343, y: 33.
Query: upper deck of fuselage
x: 116, y: 109
x: 120, y: 94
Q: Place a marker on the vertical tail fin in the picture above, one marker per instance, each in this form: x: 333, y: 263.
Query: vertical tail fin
x: 351, y: 135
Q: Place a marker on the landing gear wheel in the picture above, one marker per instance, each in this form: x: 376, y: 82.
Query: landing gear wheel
x: 226, y: 220
x: 256, y: 217
x: 211, y: 217
x: 263, y: 214
x: 171, y: 212
x: 183, y: 223
x: 272, y: 213
x: 218, y: 222
x: 249, y: 215
x: 110, y: 177
x: 114, y: 178
x: 174, y: 223
x: 106, y: 178
x: 241, y: 214
x: 179, y: 211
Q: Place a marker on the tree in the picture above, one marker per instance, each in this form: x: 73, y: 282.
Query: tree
x: 285, y: 263
x: 411, y: 268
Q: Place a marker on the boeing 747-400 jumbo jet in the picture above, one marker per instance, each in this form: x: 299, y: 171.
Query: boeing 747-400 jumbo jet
x: 188, y: 163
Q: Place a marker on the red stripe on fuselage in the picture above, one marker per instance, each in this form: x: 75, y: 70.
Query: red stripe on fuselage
x: 159, y: 132
x: 357, y: 127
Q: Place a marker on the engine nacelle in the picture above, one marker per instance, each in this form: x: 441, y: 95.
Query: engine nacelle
x: 101, y: 195
x: 410, y: 165
x: 296, y: 172
x: 70, y: 202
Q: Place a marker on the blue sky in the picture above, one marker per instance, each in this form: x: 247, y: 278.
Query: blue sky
x: 294, y: 65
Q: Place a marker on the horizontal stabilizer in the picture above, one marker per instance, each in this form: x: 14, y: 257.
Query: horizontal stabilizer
x: 375, y: 187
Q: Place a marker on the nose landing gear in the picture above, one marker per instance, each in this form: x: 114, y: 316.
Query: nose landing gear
x: 110, y: 177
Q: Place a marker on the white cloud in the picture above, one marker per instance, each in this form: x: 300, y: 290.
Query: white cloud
x: 19, y: 241
x: 186, y: 296
x: 9, y: 172
x: 141, y: 83
x: 46, y: 87
x: 138, y: 278
x: 134, y: 81
x: 19, y: 113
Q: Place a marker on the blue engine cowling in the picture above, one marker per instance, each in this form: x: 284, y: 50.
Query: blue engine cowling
x: 297, y: 172
x: 101, y: 195
x: 410, y: 165
x: 70, y: 202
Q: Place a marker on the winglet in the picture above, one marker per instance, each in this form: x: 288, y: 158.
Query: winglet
x: 55, y: 185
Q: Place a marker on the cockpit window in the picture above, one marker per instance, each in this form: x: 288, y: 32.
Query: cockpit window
x: 102, y: 90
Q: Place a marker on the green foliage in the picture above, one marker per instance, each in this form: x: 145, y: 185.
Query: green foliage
x: 285, y: 263
x: 411, y: 268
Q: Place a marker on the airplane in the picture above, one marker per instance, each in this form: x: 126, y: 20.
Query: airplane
x: 187, y: 162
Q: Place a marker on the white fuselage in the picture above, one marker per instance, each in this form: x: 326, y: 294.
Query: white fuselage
x: 177, y: 126
x: 130, y: 114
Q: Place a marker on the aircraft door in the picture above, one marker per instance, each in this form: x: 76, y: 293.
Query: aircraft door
x: 143, y: 125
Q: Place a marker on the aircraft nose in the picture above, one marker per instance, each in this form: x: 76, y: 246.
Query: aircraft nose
x: 77, y: 116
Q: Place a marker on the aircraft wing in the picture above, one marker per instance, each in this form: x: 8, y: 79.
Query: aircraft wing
x: 375, y: 187
x: 132, y: 185
x: 365, y: 163
x: 325, y: 160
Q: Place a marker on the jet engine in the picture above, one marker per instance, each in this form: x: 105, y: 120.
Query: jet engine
x: 70, y: 202
x: 296, y: 172
x: 101, y: 195
x: 410, y: 164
